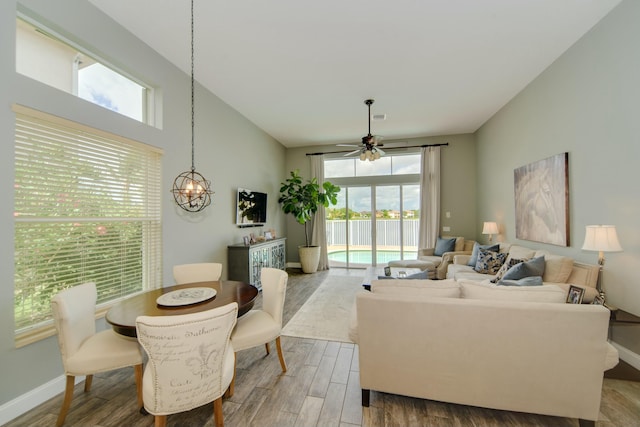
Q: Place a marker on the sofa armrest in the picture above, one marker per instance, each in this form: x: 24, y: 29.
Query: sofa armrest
x: 461, y: 259
x: 447, y: 258
x: 426, y: 251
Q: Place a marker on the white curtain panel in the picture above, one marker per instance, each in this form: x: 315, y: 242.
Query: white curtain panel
x: 429, y: 197
x: 319, y: 229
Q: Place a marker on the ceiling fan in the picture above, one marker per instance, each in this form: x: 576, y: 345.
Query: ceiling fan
x: 370, y: 149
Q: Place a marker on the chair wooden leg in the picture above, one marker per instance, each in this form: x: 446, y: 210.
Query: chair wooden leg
x: 160, y: 420
x: 232, y: 386
x: 217, y: 412
x: 138, y: 372
x: 66, y: 403
x: 280, y: 355
x: 87, y: 382
x: 266, y: 345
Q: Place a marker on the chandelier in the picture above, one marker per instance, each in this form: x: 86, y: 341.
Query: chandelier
x: 191, y: 191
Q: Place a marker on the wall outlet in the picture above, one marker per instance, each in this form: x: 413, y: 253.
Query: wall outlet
x: 446, y: 228
x: 447, y: 214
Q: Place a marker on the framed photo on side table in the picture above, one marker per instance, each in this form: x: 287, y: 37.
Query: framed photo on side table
x: 575, y: 295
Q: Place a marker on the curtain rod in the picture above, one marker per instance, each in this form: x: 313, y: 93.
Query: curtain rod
x: 386, y: 149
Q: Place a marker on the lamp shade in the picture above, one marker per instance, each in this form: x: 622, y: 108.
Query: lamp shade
x: 601, y: 238
x: 490, y: 227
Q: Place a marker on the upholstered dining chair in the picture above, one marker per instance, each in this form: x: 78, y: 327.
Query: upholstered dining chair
x: 85, y: 352
x: 199, y: 272
x: 258, y: 327
x: 191, y: 361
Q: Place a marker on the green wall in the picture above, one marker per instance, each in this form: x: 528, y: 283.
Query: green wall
x: 230, y: 151
x: 586, y: 104
x: 458, y: 196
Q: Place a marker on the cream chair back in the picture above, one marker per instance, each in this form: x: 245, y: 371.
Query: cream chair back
x: 274, y: 288
x: 74, y: 317
x: 199, y: 272
x: 191, y: 360
x: 85, y: 352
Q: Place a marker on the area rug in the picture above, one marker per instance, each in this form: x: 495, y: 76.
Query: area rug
x: 326, y: 314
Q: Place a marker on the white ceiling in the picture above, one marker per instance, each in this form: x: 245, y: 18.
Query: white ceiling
x: 301, y: 69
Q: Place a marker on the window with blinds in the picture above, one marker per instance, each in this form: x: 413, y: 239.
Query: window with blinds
x: 87, y: 209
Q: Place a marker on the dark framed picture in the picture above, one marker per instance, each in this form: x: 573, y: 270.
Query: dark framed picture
x: 387, y: 271
x: 542, y: 200
x: 598, y: 300
x: 575, y: 295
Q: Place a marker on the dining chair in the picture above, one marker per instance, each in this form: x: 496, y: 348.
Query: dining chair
x: 199, y: 272
x: 257, y: 327
x: 85, y: 352
x: 191, y: 361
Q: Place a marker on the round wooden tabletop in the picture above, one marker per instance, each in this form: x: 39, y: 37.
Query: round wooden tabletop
x: 122, y: 316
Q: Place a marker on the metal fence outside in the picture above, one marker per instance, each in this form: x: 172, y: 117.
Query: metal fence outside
x: 359, y: 232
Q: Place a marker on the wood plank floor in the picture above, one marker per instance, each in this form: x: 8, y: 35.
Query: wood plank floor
x: 321, y: 388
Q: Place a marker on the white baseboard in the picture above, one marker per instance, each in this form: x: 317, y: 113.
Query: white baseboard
x: 627, y: 355
x: 294, y: 265
x: 33, y: 398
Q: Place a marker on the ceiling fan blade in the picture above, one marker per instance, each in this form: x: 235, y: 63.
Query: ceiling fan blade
x: 352, y: 153
x: 379, y: 150
x: 346, y: 145
x: 377, y: 139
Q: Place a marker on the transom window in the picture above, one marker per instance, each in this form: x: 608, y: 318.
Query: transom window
x: 48, y: 58
x: 87, y: 209
x: 407, y: 164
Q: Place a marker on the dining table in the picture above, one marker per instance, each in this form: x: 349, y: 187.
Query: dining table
x: 122, y: 316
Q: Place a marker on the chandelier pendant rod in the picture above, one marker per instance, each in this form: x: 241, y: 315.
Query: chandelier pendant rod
x: 193, y: 167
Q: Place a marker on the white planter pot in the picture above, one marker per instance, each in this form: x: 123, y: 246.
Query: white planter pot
x: 309, y: 258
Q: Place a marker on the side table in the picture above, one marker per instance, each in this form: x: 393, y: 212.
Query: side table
x: 623, y: 370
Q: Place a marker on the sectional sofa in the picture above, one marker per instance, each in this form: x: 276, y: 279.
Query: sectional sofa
x: 434, y: 261
x: 511, y: 348
x: 558, y: 270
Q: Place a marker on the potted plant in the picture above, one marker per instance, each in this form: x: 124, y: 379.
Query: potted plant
x: 302, y: 199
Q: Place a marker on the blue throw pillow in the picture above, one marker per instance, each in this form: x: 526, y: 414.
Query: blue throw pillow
x: 477, y: 247
x: 444, y: 245
x: 526, y: 281
x: 533, y: 267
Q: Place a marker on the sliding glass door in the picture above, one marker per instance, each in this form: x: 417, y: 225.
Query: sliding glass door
x: 373, y: 224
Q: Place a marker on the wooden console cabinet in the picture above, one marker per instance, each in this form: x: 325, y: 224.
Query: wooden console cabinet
x: 246, y: 261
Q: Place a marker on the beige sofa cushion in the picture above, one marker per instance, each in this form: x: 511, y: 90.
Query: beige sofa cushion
x: 417, y: 288
x: 520, y: 252
x: 436, y: 288
x: 489, y: 291
x: 557, y: 269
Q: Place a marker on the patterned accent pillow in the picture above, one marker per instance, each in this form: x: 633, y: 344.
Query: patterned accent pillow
x: 506, y: 266
x: 489, y: 262
x: 477, y: 247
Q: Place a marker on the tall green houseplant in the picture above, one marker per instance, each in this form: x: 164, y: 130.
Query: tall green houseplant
x: 302, y: 199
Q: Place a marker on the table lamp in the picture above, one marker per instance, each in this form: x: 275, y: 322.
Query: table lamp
x: 490, y: 228
x: 601, y: 238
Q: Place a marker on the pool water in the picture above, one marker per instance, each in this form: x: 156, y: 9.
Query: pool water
x: 364, y: 257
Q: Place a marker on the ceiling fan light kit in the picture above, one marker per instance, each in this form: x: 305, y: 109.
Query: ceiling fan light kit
x: 370, y: 149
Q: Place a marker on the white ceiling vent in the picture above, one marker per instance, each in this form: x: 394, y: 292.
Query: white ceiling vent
x: 378, y: 117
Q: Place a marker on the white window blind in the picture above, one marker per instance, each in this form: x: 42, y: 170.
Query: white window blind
x: 87, y: 209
